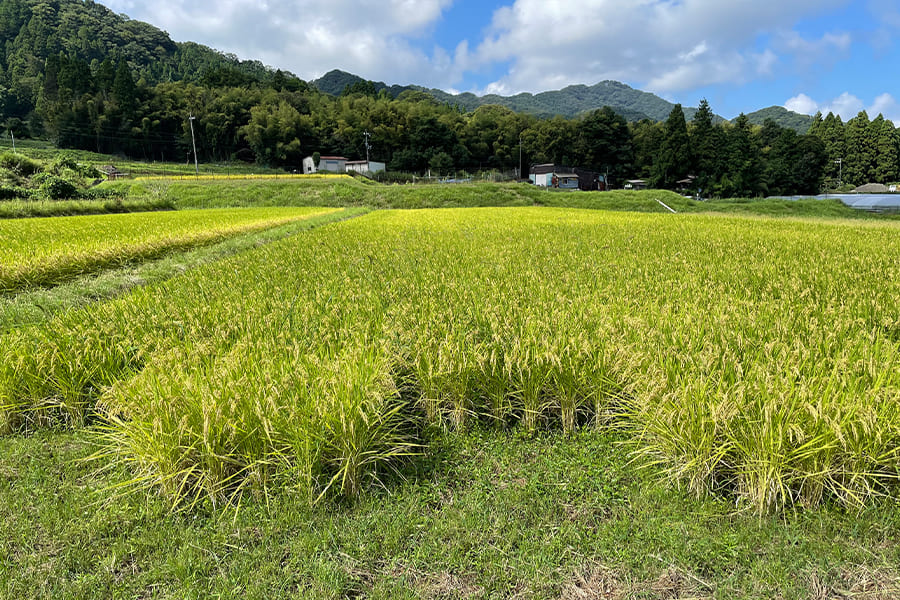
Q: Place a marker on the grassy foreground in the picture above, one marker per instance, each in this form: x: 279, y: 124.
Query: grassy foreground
x: 499, y: 516
x: 795, y: 311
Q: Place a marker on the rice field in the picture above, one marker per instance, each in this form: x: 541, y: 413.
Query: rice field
x: 752, y: 358
x: 48, y: 251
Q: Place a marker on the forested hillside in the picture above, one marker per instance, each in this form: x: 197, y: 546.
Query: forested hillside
x: 570, y: 102
x: 782, y: 116
x: 94, y: 40
x: 83, y: 77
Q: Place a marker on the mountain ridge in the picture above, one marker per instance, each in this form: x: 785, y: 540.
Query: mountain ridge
x: 87, y: 33
x: 571, y: 101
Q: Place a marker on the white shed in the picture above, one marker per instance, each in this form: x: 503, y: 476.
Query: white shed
x: 365, y: 166
x: 332, y: 164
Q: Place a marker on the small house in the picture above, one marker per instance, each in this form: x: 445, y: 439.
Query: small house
x: 553, y: 176
x: 566, y: 181
x: 112, y: 173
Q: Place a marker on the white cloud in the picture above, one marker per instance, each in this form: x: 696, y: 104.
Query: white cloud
x: 802, y: 104
x: 886, y: 105
x: 822, y: 51
x: 373, y: 38
x: 663, y: 45
x: 847, y: 106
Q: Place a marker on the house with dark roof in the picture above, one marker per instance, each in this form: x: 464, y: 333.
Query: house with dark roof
x: 562, y: 177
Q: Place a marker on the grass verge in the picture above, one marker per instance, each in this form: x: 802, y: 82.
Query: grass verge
x: 498, y: 516
x: 347, y: 191
x: 20, y: 209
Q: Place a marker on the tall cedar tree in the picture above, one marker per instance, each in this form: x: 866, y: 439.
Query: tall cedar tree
x: 675, y: 153
x: 859, y: 163
x: 887, y: 153
x: 708, y: 143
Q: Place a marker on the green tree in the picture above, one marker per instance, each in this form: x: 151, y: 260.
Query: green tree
x: 124, y: 91
x: 674, y: 161
x: 859, y: 162
x: 743, y: 169
x: 605, y: 143
x: 647, y: 136
x: 708, y: 144
x: 441, y: 164
x: 795, y: 164
x: 887, y: 151
x: 105, y: 76
x: 273, y: 133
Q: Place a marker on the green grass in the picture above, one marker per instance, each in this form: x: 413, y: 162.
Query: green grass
x: 492, y: 515
x: 37, y: 252
x: 353, y: 192
x: 45, y: 151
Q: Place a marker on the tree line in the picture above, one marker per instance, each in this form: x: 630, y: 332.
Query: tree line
x: 129, y: 90
x: 105, y: 110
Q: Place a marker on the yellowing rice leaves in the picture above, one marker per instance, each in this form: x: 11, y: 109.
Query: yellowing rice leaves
x: 748, y: 356
x: 46, y: 251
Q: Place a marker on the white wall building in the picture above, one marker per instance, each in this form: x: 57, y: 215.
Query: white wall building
x: 332, y: 164
x: 362, y: 166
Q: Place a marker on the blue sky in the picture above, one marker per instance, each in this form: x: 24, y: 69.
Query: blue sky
x: 741, y: 55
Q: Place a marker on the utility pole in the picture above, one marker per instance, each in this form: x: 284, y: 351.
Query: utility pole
x: 520, y: 156
x: 840, y: 164
x: 367, y: 135
x: 13, y: 140
x: 194, y: 144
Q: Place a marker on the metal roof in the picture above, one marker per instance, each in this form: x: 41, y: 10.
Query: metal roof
x: 874, y: 202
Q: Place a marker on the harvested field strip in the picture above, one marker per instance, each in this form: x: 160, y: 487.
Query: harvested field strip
x: 752, y: 357
x: 38, y: 252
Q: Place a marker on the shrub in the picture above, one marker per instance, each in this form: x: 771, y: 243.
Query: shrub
x: 393, y: 177
x: 13, y: 193
x: 63, y: 162
x: 103, y: 194
x: 20, y: 165
x: 57, y: 188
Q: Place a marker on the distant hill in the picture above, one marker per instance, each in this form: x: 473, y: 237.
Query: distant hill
x: 574, y: 100
x: 85, y: 34
x: 336, y: 81
x: 784, y: 117
x: 569, y: 102
x: 86, y: 31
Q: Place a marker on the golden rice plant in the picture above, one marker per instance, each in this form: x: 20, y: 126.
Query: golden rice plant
x: 755, y: 358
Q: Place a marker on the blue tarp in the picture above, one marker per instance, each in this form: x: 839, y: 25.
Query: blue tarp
x: 877, y: 202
